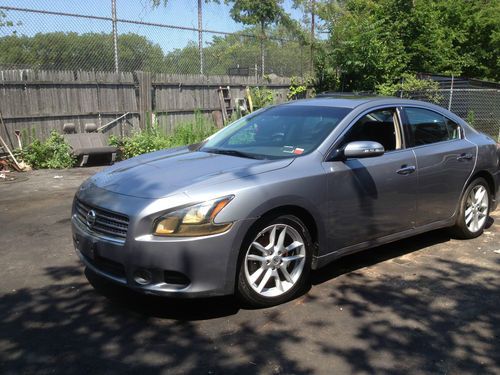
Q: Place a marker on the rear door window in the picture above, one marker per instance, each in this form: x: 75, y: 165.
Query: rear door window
x: 427, y: 127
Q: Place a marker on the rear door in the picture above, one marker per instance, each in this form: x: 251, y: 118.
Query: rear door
x: 445, y: 161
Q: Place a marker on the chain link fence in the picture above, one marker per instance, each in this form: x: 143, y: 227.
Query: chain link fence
x: 480, y: 107
x: 179, y: 37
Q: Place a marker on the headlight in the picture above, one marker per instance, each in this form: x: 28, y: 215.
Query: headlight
x: 192, y: 221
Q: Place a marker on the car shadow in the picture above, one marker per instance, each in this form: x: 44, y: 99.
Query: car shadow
x: 378, y: 254
x: 163, y: 307
x: 383, y: 253
x: 216, y: 307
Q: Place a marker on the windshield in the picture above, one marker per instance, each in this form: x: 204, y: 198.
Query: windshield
x: 277, y: 132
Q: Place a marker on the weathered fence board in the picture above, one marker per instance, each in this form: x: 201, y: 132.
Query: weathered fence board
x: 35, y: 102
x: 176, y: 97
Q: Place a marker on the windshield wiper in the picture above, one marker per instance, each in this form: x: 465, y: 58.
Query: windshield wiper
x: 238, y: 153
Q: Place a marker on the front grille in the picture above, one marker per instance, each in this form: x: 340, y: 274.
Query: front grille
x: 107, y: 223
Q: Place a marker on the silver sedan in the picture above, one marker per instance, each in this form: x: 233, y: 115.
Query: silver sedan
x: 283, y: 191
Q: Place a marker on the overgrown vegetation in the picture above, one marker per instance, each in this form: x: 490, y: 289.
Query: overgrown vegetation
x: 375, y: 42
x: 52, y: 153
x: 261, y: 97
x: 153, y: 138
x: 408, y: 85
x: 298, y: 88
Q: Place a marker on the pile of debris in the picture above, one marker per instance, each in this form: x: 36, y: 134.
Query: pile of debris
x: 9, y: 162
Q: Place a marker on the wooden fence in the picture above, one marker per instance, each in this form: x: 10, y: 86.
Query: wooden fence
x: 35, y: 102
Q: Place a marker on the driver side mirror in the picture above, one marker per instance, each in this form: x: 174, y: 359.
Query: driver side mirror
x: 363, y: 149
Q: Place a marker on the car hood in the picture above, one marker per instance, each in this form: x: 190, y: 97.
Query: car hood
x: 162, y: 173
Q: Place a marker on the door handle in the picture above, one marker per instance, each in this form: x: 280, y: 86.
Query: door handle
x: 406, y: 169
x: 465, y: 156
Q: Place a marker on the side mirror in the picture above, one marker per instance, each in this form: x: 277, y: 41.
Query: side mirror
x: 363, y: 149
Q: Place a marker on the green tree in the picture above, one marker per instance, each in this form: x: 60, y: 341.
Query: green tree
x: 375, y: 42
x: 6, y: 23
x: 73, y: 51
x: 241, y: 49
x: 263, y: 13
x: 362, y: 50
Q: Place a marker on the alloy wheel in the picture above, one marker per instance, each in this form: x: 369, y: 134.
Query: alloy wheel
x: 275, y: 260
x: 476, y: 208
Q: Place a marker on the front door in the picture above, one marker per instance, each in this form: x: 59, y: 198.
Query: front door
x: 369, y: 198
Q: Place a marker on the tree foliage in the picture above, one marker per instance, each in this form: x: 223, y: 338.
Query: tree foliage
x: 375, y: 42
x: 242, y: 49
x: 94, y: 51
x: 73, y: 51
x: 408, y: 85
x: 5, y: 22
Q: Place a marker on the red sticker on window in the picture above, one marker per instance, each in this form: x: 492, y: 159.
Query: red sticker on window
x: 298, y: 151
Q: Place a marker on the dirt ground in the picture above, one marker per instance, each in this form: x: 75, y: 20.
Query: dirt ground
x: 427, y: 304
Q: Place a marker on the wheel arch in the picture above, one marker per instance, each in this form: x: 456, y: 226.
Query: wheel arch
x: 301, y: 213
x: 489, y: 179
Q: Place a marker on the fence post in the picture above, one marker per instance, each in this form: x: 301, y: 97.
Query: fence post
x: 313, y: 39
x: 451, y: 92
x: 145, y: 99
x: 115, y: 33
x: 200, y: 35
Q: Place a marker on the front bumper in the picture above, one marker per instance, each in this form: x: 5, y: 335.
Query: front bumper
x: 178, y: 267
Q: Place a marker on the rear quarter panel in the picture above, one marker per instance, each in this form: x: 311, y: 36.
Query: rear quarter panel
x: 488, y: 159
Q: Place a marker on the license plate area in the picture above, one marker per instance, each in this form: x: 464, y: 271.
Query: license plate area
x: 86, y: 246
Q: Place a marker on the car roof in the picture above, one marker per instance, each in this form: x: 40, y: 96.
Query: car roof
x: 353, y: 101
x: 343, y: 101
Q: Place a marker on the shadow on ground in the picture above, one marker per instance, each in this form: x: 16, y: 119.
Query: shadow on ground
x: 438, y: 317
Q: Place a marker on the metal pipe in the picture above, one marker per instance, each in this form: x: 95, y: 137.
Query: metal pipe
x: 113, y: 121
x: 115, y: 33
x: 200, y: 35
x: 451, y: 92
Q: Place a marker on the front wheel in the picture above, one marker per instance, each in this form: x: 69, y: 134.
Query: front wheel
x: 474, y: 210
x: 275, y: 263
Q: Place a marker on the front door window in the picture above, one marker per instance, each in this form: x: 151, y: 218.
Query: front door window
x: 379, y: 126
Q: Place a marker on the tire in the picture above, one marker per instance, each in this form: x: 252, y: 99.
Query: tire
x: 273, y: 271
x: 473, y: 214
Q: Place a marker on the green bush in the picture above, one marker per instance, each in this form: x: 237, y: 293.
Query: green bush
x: 153, y: 138
x: 261, y: 97
x: 298, y: 88
x: 149, y: 140
x: 53, y: 153
x: 409, y: 85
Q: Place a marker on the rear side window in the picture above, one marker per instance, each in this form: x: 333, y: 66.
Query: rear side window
x: 428, y: 127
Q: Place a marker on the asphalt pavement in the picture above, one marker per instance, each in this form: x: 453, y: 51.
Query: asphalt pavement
x: 427, y: 304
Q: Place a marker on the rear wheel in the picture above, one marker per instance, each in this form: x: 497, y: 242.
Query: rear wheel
x: 474, y: 210
x: 275, y: 262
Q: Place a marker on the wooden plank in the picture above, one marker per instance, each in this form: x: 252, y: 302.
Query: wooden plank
x: 145, y: 97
